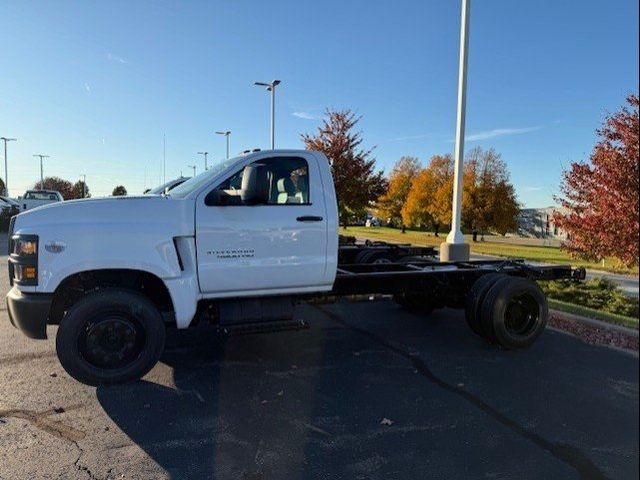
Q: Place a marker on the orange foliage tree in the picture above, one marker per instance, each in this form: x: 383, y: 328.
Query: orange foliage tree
x: 389, y: 205
x: 429, y: 201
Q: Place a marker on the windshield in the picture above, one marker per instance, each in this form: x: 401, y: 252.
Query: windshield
x: 169, y: 185
x: 41, y: 196
x: 205, y: 177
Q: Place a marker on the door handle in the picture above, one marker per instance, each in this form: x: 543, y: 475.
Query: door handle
x: 309, y: 218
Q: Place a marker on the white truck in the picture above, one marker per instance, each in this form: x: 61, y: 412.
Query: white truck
x: 37, y: 198
x: 238, y: 246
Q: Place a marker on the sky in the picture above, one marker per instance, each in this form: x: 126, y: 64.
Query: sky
x: 97, y: 85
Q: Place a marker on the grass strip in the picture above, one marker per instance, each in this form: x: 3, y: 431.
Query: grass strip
x: 595, y: 314
x: 502, y: 248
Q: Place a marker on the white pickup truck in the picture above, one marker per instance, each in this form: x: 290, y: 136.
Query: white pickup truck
x: 237, y: 246
x: 37, y: 198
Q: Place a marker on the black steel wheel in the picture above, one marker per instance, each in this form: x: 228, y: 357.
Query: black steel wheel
x: 474, y: 300
x: 377, y: 257
x: 110, y: 336
x: 515, y: 311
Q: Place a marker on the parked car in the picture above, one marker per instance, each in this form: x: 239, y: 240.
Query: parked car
x: 37, y: 198
x: 167, y: 187
x: 8, y: 209
x: 114, y: 276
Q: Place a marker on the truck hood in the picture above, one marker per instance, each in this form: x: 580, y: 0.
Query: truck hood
x: 128, y: 214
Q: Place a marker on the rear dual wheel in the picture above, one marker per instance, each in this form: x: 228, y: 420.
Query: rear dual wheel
x: 509, y: 311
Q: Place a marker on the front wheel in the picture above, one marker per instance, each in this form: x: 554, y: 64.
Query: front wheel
x: 110, y: 336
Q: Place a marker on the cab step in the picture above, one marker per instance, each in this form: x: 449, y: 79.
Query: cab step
x: 262, y: 327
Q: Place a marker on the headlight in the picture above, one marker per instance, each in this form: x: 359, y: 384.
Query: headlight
x: 23, y: 260
x: 25, y: 247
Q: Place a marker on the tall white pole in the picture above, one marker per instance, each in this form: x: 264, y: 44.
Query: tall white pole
x: 164, y: 158
x: 455, y: 236
x: 273, y: 117
x: 227, y: 135
x: 6, y: 169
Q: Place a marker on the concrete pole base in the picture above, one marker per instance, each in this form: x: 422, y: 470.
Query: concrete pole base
x: 454, y: 252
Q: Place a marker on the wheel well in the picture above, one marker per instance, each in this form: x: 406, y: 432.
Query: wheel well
x: 76, y: 286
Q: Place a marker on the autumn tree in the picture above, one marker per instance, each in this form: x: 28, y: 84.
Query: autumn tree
x: 65, y: 187
x: 389, y: 205
x: 429, y: 200
x: 119, y: 191
x: 489, y: 201
x: 601, y: 196
x: 356, y: 182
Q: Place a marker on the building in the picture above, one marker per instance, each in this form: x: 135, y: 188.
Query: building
x: 538, y: 223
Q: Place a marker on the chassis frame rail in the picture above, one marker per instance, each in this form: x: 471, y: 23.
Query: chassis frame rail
x: 449, y: 282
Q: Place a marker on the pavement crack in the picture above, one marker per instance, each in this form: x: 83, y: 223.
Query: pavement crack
x: 566, y: 453
x: 83, y: 468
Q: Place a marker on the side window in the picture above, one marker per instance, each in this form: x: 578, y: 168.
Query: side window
x: 288, y: 179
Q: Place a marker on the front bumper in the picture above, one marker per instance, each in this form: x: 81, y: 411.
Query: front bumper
x: 29, y: 312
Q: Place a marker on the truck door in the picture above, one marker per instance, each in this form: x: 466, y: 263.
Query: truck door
x: 279, y: 244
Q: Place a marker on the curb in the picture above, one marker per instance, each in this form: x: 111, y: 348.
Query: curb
x: 632, y: 353
x: 594, y: 323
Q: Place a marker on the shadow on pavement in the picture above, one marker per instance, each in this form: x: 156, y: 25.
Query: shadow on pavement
x: 356, y: 399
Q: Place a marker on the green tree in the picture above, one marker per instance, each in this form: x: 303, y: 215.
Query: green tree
x: 356, y: 182
x: 489, y: 199
x: 119, y: 191
x: 81, y: 190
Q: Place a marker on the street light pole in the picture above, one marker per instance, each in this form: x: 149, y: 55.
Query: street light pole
x: 226, y: 133
x: 84, y: 185
x: 6, y: 174
x: 271, y: 87
x: 41, y: 170
x: 455, y: 248
x: 194, y: 169
x: 206, y: 167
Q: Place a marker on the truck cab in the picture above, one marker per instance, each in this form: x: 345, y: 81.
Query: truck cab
x: 36, y: 198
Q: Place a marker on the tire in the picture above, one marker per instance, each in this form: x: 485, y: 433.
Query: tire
x: 515, y: 312
x: 373, y: 256
x: 111, y: 336
x: 474, y: 301
x: 360, y: 256
x: 377, y: 257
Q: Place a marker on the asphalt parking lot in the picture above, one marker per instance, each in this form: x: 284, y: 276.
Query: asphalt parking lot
x: 367, y: 392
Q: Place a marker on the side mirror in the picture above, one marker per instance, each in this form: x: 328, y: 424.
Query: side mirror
x: 255, y: 185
